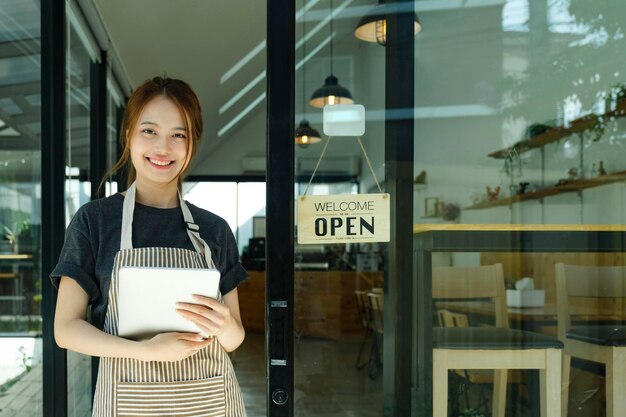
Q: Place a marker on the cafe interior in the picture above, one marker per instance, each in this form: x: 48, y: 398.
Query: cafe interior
x: 514, y: 300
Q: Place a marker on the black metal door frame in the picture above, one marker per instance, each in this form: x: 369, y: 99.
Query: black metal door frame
x: 280, y: 203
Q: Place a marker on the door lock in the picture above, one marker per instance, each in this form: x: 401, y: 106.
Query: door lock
x: 280, y: 396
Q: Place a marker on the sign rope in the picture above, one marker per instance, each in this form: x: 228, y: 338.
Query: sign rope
x: 367, y: 159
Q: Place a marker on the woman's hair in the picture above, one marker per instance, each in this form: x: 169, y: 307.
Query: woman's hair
x: 183, y: 97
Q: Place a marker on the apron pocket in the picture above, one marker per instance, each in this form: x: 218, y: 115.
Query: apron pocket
x: 202, y: 397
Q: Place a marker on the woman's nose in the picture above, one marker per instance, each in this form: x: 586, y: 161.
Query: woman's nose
x: 160, y: 144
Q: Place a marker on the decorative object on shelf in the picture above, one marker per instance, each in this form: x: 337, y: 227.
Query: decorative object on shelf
x: 305, y: 134
x: 431, y: 206
x: 420, y: 178
x: 601, y: 170
x: 449, y: 211
x: 522, y: 187
x: 572, y: 174
x: 373, y: 26
x: 536, y: 129
x: 331, y: 92
x: 539, y: 191
x: 493, y: 194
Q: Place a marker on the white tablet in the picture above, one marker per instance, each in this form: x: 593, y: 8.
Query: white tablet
x: 147, y: 299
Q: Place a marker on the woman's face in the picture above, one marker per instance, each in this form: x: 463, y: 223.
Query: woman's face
x: 159, y: 143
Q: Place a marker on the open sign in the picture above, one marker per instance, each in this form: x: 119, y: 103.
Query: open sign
x: 343, y: 218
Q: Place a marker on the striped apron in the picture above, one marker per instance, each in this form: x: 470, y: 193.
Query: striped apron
x: 203, y: 384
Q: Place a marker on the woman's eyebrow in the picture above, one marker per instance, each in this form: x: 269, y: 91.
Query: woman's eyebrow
x: 147, y: 122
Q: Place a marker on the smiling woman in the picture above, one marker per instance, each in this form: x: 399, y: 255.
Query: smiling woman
x: 150, y: 225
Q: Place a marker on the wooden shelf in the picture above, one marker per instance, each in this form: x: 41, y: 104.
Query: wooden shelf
x: 545, y: 192
x: 558, y: 133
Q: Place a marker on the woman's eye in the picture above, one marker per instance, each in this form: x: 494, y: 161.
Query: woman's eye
x: 180, y: 136
x: 148, y: 131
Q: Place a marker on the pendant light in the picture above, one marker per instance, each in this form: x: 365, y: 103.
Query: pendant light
x: 331, y: 92
x: 305, y: 134
x: 373, y: 26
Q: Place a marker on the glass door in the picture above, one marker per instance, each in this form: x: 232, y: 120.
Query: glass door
x: 337, y: 312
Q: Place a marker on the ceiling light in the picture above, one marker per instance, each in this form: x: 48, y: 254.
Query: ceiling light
x: 373, y: 26
x: 306, y: 135
x: 331, y: 92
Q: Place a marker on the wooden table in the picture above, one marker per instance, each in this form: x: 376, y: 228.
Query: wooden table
x: 486, y: 238
x: 531, y: 318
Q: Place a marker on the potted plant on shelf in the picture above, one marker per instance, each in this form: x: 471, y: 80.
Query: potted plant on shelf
x: 20, y: 230
x: 450, y: 211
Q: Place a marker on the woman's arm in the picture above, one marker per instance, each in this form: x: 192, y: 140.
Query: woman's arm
x: 72, y: 331
x: 217, y: 319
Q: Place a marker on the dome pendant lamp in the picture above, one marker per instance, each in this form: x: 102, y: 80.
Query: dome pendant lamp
x: 373, y: 26
x: 305, y: 134
x: 331, y: 92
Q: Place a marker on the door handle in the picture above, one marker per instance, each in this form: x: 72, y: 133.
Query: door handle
x: 278, y: 333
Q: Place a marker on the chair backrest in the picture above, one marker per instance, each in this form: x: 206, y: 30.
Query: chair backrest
x: 585, y: 281
x: 362, y: 306
x: 377, y: 304
x: 449, y: 319
x: 464, y: 283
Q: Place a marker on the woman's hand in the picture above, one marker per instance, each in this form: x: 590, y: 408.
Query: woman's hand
x: 172, y: 346
x: 212, y: 317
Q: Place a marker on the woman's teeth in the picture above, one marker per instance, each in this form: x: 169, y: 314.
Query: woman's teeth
x: 161, y: 163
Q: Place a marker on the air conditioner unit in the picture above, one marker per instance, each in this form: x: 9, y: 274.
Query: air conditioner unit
x: 253, y: 164
x: 337, y: 165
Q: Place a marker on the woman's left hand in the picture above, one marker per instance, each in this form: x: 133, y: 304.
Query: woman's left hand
x: 211, y: 316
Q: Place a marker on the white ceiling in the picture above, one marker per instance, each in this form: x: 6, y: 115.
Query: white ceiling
x: 218, y: 46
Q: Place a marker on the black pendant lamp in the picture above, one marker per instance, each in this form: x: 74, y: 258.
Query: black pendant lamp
x: 305, y: 134
x: 331, y: 92
x: 373, y: 26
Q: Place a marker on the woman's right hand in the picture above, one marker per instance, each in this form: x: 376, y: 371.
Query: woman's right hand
x: 172, y: 346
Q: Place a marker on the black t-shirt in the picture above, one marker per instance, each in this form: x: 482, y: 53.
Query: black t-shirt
x: 93, y: 239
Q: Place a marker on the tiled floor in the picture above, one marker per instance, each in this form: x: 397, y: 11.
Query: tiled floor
x: 326, y: 382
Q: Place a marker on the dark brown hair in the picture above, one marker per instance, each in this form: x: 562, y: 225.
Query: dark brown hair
x: 188, y: 104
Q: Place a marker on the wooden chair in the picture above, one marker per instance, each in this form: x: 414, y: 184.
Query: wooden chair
x: 362, y: 305
x: 376, y: 301
x: 605, y: 344
x: 498, y: 348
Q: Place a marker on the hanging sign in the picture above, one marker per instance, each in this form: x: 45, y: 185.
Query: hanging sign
x: 347, y: 218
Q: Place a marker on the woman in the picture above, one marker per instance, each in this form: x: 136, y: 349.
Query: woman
x: 171, y: 373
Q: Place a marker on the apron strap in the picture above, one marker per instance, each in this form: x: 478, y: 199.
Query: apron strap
x: 192, y: 229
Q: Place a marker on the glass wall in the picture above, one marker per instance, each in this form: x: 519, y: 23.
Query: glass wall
x: 519, y: 135
x: 518, y: 141
x: 77, y: 185
x: 20, y: 206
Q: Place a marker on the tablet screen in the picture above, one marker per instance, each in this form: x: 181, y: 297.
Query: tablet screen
x: 147, y: 299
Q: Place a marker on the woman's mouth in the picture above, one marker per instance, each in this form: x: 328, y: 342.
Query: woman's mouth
x: 160, y: 163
